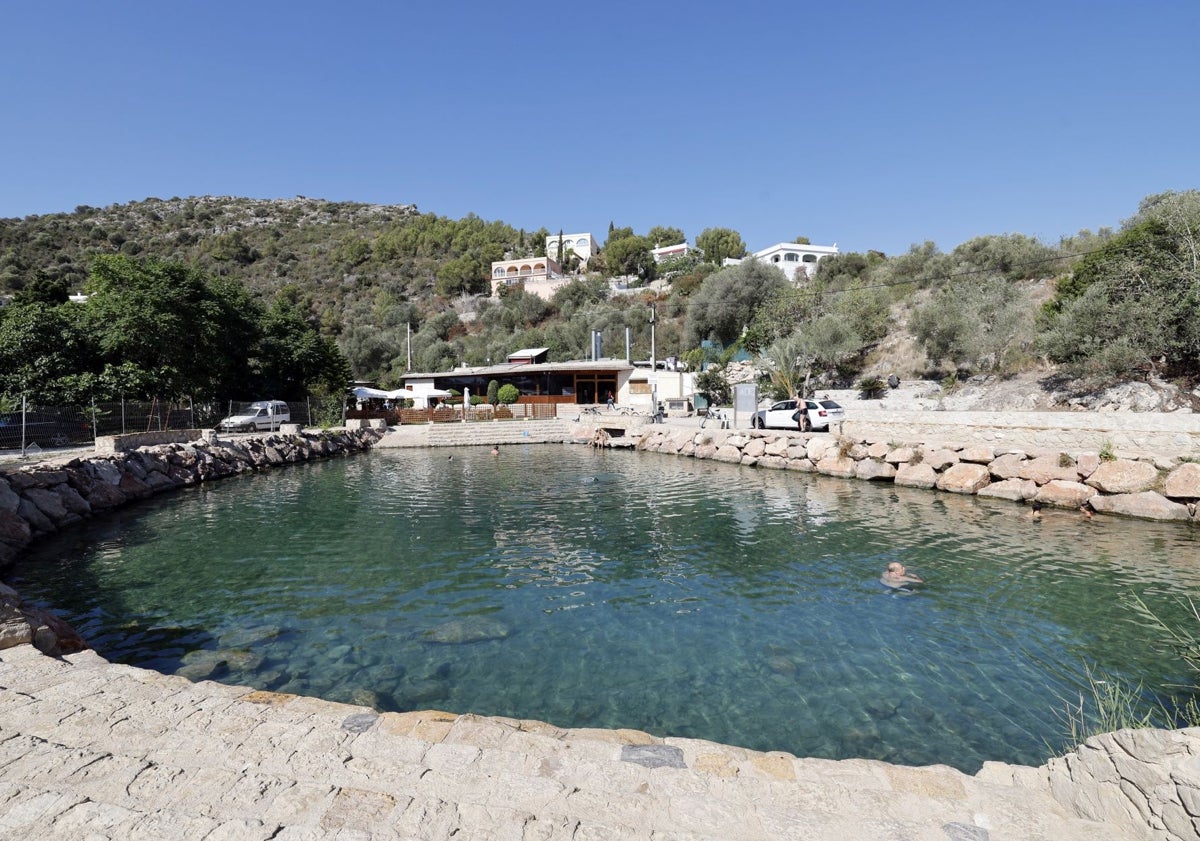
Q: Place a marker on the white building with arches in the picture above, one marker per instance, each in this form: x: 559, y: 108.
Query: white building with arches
x: 798, y: 262
x: 539, y: 276
x: 584, y: 245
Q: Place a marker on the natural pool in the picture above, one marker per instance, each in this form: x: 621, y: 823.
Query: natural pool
x: 614, y: 589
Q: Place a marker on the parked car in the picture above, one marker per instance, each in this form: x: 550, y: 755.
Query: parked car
x: 44, y: 427
x: 260, y: 415
x: 821, y: 413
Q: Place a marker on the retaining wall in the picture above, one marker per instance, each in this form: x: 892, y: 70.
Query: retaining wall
x: 1151, y: 487
x: 1131, y: 433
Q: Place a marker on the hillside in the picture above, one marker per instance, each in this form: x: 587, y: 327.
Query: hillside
x: 396, y: 288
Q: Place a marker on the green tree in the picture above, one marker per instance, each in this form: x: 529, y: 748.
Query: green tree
x: 719, y: 243
x: 40, y: 344
x: 1134, y: 301
x: 728, y: 300
x: 493, y: 392
x: 508, y: 394
x: 975, y: 322
x: 630, y: 256
x: 660, y: 236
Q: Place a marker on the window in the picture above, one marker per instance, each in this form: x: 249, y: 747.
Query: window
x: 775, y: 259
x: 810, y: 258
x: 791, y: 258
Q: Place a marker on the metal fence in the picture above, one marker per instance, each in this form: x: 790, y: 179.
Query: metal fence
x: 29, y: 427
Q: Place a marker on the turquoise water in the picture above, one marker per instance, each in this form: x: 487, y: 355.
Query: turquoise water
x: 616, y: 589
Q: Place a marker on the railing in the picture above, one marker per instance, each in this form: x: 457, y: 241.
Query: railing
x: 30, y: 427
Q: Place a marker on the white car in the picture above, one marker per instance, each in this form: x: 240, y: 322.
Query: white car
x: 262, y: 415
x: 821, y: 413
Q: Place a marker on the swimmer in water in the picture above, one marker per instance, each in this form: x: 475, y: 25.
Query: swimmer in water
x: 495, y: 451
x: 898, y: 578
x: 1036, y: 513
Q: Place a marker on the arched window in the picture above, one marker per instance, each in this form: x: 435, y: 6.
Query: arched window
x: 810, y: 258
x: 498, y: 271
x: 512, y: 270
x: 775, y: 259
x: 540, y: 268
x: 526, y: 270
x: 791, y: 257
x: 581, y: 242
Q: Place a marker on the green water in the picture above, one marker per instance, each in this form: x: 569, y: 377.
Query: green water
x: 617, y: 589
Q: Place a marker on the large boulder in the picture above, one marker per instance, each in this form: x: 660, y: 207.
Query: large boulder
x: 1007, y: 466
x: 1064, y: 493
x: 754, y: 448
x: 940, y: 459
x: 874, y: 470
x: 916, y: 476
x: 978, y: 454
x: 1148, y: 505
x: 1013, y: 489
x: 900, y: 455
x: 834, y: 464
x: 8, y: 497
x: 964, y: 478
x: 1045, y: 469
x: 1123, y: 476
x: 1182, y: 483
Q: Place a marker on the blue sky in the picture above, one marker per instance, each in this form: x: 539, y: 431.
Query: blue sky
x: 872, y: 124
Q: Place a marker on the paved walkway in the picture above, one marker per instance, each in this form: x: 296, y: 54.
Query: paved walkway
x: 93, y: 750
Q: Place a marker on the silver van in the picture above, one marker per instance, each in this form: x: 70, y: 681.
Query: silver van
x: 258, y: 416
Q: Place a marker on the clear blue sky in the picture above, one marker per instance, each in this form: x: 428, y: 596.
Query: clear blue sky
x: 869, y: 123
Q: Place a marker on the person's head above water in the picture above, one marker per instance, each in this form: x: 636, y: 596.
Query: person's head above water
x: 895, y: 568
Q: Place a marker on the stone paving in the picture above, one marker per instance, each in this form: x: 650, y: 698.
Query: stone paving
x: 94, y: 750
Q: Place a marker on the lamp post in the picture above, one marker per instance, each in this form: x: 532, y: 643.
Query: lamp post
x: 653, y: 369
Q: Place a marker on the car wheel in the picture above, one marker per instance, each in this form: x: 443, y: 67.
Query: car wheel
x: 758, y: 422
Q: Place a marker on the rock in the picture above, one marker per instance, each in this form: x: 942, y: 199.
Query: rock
x: 964, y: 478
x: 14, y: 529
x: 1183, y: 482
x: 1062, y: 493
x: 833, y: 464
x: 49, y: 503
x: 1123, y: 476
x: 878, y: 450
x: 916, y: 476
x: 817, y: 447
x: 705, y: 450
x: 72, y: 501
x: 801, y: 464
x: 875, y: 470
x: 38, y: 522
x: 1148, y: 505
x: 781, y: 665
x: 1086, y: 464
x: 940, y: 459
x: 1013, y: 489
x: 471, y: 629
x: 748, y: 461
x: 773, y: 462
x: 1007, y: 466
x: 777, y: 447
x: 900, y: 455
x: 754, y: 448
x: 978, y: 454
x: 728, y: 454
x: 9, y: 500
x: 1044, y: 469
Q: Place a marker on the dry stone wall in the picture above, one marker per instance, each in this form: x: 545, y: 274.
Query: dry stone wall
x: 40, y: 499
x: 1151, y: 487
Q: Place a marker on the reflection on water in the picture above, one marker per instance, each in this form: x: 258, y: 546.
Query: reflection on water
x: 622, y: 590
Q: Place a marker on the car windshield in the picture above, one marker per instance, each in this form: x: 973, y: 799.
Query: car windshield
x: 829, y: 404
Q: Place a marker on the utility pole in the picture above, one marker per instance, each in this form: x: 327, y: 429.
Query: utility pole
x: 653, y: 369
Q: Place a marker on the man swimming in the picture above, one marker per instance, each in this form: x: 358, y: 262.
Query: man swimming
x: 898, y: 578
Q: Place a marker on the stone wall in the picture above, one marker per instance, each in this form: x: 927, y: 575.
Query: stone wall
x: 108, y: 444
x: 1136, y: 433
x: 1152, y: 487
x: 40, y: 499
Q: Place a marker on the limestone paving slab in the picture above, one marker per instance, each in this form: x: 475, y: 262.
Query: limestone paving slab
x: 92, y: 750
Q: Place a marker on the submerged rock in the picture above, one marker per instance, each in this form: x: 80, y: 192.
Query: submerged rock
x: 471, y: 629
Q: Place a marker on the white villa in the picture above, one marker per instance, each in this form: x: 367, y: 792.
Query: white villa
x: 797, y: 261
x: 666, y: 252
x: 584, y: 245
x: 539, y: 276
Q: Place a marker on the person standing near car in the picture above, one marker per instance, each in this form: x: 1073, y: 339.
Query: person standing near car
x: 802, y: 414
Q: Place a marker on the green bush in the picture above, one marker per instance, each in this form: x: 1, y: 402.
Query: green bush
x: 508, y: 394
x: 870, y: 387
